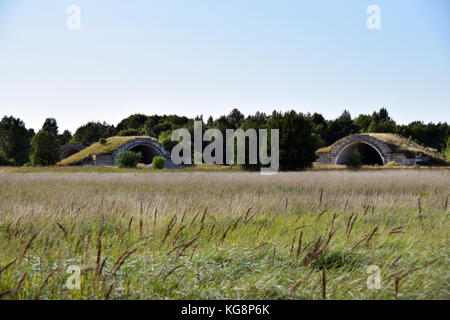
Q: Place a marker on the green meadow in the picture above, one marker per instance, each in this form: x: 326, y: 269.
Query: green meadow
x: 224, y: 235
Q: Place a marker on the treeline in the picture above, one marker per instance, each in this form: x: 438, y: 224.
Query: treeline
x: 300, y: 134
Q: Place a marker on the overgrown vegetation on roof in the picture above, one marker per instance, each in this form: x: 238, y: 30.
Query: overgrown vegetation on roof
x: 399, y: 143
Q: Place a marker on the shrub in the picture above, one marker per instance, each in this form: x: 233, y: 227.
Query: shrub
x: 5, y: 161
x: 128, y: 159
x: 102, y: 141
x: 158, y: 162
x: 45, y: 149
x: 354, y: 161
x: 391, y: 164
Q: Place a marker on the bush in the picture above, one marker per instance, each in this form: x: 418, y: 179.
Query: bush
x: 354, y: 161
x: 158, y: 162
x: 128, y: 159
x: 45, y: 149
x: 391, y: 164
x: 102, y: 141
x: 5, y: 161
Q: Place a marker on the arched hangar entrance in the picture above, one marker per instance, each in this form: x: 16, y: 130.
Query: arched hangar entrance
x: 148, y: 147
x: 370, y: 155
x: 148, y: 152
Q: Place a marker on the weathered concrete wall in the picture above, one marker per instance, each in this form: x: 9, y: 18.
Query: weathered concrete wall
x: 324, y: 158
x: 401, y: 158
x: 102, y: 160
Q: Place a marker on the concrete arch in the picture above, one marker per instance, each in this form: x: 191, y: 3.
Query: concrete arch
x: 344, y: 153
x: 371, y: 145
x: 147, y: 146
x: 69, y: 149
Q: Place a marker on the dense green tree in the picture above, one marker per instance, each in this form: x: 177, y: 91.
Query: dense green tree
x: 447, y: 150
x: 256, y: 122
x: 381, y: 122
x: 50, y: 125
x: 15, y: 139
x: 431, y: 135
x: 135, y: 121
x: 45, y: 149
x: 363, y: 122
x: 382, y: 115
x: 381, y: 126
x: 222, y: 123
x: 92, y: 132
x: 259, y: 120
x: 319, y: 122
x: 235, y: 118
x: 155, y: 125
x: 340, y: 127
x: 65, y: 137
x: 165, y: 138
x: 210, y: 122
x: 297, y: 145
x: 131, y: 132
x: 319, y: 127
x: 5, y: 161
x: 151, y: 125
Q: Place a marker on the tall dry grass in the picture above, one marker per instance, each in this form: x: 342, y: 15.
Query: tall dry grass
x: 225, y: 235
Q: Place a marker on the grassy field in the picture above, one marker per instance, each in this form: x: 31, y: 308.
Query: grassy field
x: 224, y: 235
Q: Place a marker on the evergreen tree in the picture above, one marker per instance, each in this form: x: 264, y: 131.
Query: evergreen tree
x: 297, y: 145
x: 45, y: 149
x: 50, y: 125
x: 15, y: 139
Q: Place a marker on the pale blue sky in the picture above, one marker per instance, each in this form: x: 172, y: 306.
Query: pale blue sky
x: 206, y: 57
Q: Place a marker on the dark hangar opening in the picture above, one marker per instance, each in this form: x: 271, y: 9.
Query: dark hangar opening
x: 369, y: 155
x: 148, y: 153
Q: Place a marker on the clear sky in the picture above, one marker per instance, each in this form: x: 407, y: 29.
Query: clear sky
x: 192, y: 57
